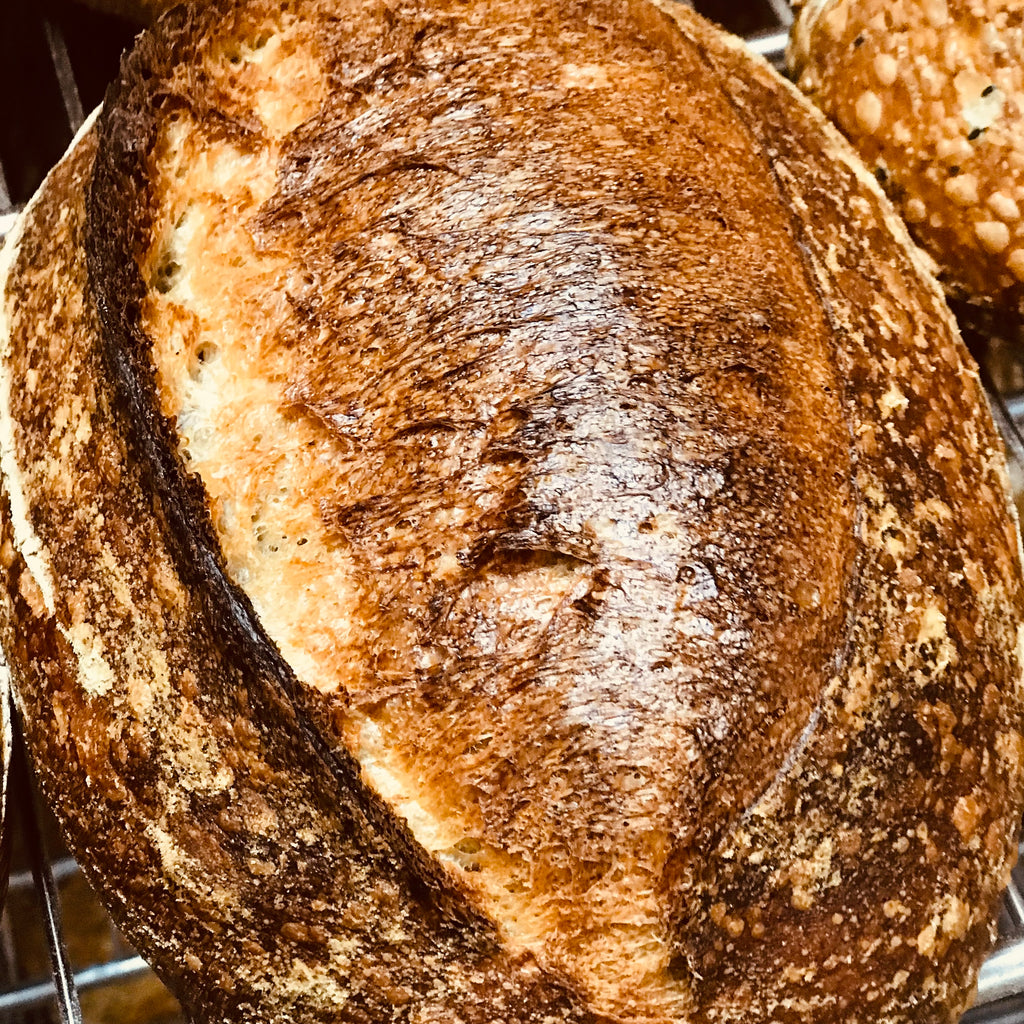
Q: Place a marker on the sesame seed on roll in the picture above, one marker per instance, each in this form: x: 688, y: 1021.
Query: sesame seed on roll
x: 931, y: 93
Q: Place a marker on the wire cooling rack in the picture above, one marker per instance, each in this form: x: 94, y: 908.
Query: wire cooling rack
x: 55, y: 60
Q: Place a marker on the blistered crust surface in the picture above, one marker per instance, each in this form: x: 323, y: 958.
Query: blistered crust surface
x: 930, y: 94
x: 685, y: 502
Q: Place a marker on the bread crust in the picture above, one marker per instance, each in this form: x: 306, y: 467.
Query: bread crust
x: 869, y: 720
x: 266, y: 916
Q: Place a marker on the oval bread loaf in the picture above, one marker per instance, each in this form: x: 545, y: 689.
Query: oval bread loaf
x: 500, y: 527
x: 930, y: 94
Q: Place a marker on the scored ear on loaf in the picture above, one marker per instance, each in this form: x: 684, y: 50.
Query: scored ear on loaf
x: 500, y: 526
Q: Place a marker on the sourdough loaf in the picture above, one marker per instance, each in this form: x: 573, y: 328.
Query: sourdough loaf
x: 931, y: 96
x: 502, y: 528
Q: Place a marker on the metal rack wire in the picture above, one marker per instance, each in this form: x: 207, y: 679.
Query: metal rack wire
x: 75, y: 53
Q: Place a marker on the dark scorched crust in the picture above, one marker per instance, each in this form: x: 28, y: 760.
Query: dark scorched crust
x: 820, y: 662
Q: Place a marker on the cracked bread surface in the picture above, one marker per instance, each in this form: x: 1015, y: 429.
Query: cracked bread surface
x: 530, y: 439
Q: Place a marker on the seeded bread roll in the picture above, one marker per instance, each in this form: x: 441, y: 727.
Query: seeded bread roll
x: 503, y: 529
x: 931, y: 94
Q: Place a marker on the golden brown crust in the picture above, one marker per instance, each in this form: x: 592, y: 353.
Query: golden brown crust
x: 563, y: 422
x: 930, y: 94
x: 751, y: 443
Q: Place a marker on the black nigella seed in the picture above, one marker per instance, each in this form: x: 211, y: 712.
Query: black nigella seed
x: 881, y: 173
x: 859, y: 41
x: 974, y: 133
x: 988, y: 90
x: 954, y: 170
